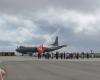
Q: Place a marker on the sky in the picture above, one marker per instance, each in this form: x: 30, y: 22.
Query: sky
x: 34, y: 22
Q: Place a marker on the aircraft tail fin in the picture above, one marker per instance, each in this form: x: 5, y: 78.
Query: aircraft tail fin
x: 55, y: 42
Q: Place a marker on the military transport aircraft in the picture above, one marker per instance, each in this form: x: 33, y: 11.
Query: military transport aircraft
x: 40, y: 49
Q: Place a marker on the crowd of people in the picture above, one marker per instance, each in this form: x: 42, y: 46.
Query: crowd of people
x: 64, y: 55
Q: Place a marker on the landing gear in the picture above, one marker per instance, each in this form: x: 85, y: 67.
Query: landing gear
x: 39, y: 56
x: 22, y: 54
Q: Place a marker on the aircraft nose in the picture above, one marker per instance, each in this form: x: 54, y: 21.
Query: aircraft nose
x: 17, y: 50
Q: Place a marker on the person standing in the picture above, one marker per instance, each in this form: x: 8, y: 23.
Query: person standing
x: 52, y: 55
x: 77, y: 55
x: 57, y: 55
x: 64, y: 55
x: 87, y: 55
x: 61, y: 55
x: 39, y: 55
x: 48, y: 56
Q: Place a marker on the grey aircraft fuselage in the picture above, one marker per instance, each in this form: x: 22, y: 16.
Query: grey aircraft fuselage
x: 26, y: 50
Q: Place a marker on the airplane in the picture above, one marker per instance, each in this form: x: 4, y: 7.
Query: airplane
x: 40, y: 49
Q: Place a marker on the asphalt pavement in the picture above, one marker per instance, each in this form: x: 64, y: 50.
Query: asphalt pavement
x: 26, y: 68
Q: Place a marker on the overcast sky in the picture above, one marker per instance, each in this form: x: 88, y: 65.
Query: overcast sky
x: 33, y: 22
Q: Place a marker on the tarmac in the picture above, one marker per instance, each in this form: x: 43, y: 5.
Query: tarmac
x: 29, y: 68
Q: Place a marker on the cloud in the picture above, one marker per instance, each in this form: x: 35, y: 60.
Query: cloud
x: 79, y: 30
x: 24, y: 6
x: 76, y: 21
